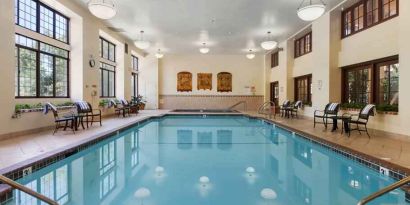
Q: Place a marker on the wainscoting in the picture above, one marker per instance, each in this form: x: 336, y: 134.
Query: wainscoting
x: 209, y: 101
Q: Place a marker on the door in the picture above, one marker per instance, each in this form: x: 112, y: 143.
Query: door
x: 274, y: 92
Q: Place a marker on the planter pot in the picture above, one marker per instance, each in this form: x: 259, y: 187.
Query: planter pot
x: 387, y: 112
x: 141, y: 106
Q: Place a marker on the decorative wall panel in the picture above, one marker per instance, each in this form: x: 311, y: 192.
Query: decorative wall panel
x: 204, y: 81
x: 184, y: 82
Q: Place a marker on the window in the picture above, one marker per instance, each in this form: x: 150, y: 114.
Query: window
x: 107, y: 73
x: 303, y: 45
x: 303, y: 89
x: 275, y: 59
x: 107, y: 168
x: 38, y: 17
x: 107, y: 50
x: 359, y: 85
x: 41, y: 69
x: 367, y: 13
x: 388, y: 83
x: 134, y: 76
x: 372, y: 82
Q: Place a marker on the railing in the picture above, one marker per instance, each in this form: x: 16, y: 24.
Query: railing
x: 245, y: 105
x: 384, y: 191
x: 271, y: 109
x: 22, y: 188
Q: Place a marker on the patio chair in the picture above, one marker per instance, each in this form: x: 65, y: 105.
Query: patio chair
x: 330, y: 111
x: 133, y: 108
x: 294, y: 109
x: 120, y: 108
x: 283, y: 108
x: 85, y: 110
x: 61, y: 121
x: 362, y: 118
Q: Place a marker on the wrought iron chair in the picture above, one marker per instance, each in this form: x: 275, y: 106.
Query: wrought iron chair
x: 294, y: 109
x: 283, y: 108
x: 61, y: 121
x: 362, y: 118
x: 120, y: 108
x: 331, y: 110
x: 85, y: 110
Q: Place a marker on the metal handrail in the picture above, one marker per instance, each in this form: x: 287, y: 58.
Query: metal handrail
x: 270, y: 104
x: 22, y: 188
x: 384, y: 191
x: 245, y: 105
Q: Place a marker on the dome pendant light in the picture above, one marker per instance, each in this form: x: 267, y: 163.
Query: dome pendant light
x: 142, y: 44
x: 159, y: 54
x: 103, y: 9
x: 311, y: 11
x: 250, y: 55
x: 269, y: 44
x: 204, y: 49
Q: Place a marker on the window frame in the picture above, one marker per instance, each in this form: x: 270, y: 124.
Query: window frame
x: 275, y: 59
x: 307, y: 77
x: 38, y: 67
x: 365, y: 14
x: 102, y: 39
x: 373, y: 65
x: 37, y: 30
x: 303, y: 41
x: 102, y: 80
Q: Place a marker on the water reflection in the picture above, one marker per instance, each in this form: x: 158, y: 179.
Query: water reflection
x: 298, y: 171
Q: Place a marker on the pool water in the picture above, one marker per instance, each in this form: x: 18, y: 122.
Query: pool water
x: 161, y: 162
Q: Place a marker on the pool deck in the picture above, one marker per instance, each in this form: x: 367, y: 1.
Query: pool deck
x: 388, y: 148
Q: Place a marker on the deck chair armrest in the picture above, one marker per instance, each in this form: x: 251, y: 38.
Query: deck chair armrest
x: 319, y: 111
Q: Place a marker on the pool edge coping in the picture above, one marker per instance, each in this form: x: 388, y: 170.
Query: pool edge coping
x: 15, y: 171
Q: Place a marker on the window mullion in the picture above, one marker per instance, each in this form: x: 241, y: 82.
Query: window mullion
x: 54, y: 76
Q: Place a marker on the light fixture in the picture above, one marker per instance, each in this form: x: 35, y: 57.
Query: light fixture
x: 103, y: 9
x: 204, y: 49
x: 250, y: 55
x: 311, y: 12
x: 268, y: 194
x: 204, y: 180
x: 141, y: 43
x: 269, y: 44
x: 250, y: 171
x: 159, y: 54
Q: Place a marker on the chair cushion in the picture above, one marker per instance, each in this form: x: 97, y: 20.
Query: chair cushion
x: 83, y: 106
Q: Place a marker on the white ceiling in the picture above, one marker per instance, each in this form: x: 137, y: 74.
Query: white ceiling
x: 227, y: 26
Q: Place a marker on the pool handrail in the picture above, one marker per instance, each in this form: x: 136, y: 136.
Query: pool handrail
x: 245, y: 105
x: 271, y: 105
x: 384, y: 191
x: 27, y: 190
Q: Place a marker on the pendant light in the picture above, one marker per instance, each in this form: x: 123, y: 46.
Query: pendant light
x: 141, y: 43
x: 311, y: 11
x: 250, y: 55
x: 269, y: 44
x: 159, y: 54
x: 204, y: 49
x: 103, y: 9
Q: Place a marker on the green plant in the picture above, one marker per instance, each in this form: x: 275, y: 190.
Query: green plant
x: 68, y: 103
x: 387, y: 108
x: 103, y: 103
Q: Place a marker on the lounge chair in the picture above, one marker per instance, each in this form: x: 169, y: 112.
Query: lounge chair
x: 295, y: 107
x: 362, y: 118
x: 330, y: 111
x: 284, y: 108
x: 120, y: 108
x: 85, y: 110
x: 61, y: 121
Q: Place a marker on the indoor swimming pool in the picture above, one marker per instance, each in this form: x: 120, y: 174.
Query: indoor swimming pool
x: 207, y: 160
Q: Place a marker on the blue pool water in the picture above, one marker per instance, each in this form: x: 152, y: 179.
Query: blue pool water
x: 295, y: 170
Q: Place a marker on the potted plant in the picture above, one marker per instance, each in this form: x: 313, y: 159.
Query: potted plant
x: 140, y: 101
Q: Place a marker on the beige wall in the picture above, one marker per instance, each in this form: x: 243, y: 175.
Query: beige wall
x: 245, y: 72
x: 84, y: 42
x: 330, y: 52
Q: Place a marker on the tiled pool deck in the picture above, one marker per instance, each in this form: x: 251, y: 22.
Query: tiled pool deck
x: 389, y: 149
